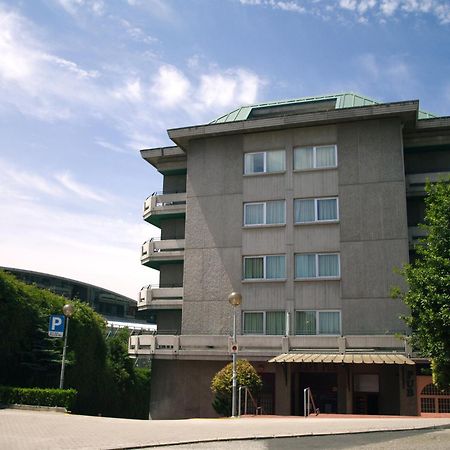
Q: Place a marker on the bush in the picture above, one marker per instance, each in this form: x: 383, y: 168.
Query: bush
x: 38, y: 396
x: 221, y: 384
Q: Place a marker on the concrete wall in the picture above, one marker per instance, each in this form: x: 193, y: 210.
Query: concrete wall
x: 172, y: 228
x: 373, y: 225
x: 213, y: 234
x: 371, y: 235
x: 190, y: 380
x: 168, y: 320
x: 174, y: 183
x: 171, y: 275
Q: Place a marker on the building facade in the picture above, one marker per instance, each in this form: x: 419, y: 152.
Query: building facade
x: 306, y: 208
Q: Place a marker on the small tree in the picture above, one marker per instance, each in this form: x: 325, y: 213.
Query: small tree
x: 221, y: 384
x: 428, y: 279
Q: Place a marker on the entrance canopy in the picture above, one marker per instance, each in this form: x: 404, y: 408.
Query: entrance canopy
x: 337, y: 358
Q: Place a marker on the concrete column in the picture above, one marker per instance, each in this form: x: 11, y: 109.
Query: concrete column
x: 283, y: 389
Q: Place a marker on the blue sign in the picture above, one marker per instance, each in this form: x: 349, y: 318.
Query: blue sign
x: 56, y: 326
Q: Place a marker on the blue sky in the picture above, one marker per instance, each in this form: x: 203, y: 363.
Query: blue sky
x: 85, y: 84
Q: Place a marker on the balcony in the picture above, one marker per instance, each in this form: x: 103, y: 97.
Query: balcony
x: 261, y: 347
x: 161, y: 205
x: 156, y: 252
x: 415, y: 182
x: 160, y: 297
x: 414, y: 235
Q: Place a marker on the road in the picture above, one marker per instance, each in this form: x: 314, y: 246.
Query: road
x: 392, y: 440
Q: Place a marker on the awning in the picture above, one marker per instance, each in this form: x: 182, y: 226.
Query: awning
x: 337, y: 358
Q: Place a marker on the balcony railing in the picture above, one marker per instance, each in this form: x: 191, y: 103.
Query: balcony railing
x: 218, y: 346
x: 415, y: 234
x: 157, y: 251
x: 164, y: 205
x: 160, y: 297
x: 415, y: 182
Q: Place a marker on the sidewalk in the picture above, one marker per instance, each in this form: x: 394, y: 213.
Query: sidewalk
x: 45, y: 430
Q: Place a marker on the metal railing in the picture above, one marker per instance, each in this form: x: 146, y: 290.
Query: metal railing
x: 247, y: 394
x: 308, y: 401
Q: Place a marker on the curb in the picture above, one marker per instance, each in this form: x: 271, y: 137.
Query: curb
x: 56, y: 409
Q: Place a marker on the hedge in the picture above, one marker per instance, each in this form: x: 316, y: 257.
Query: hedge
x: 38, y: 396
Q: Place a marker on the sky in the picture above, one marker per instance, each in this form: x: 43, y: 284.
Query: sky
x: 86, y: 84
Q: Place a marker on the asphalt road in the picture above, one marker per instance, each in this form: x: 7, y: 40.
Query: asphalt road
x: 393, y: 440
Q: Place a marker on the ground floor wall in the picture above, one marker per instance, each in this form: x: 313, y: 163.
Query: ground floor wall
x: 181, y: 388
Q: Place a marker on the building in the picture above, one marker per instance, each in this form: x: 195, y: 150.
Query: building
x: 305, y: 207
x: 119, y: 310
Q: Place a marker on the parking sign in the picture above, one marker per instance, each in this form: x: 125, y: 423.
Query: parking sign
x: 56, y: 326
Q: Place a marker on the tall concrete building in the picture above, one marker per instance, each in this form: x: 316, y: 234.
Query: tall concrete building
x: 305, y: 207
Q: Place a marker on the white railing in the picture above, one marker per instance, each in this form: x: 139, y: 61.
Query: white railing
x: 218, y: 345
x: 158, y: 203
x: 150, y: 296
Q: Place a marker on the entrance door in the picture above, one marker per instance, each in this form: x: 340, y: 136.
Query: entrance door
x: 323, y: 389
x: 365, y: 393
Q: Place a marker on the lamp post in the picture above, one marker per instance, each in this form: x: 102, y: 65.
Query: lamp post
x: 235, y: 300
x: 67, y: 311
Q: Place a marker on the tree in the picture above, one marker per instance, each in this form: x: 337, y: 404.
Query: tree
x: 428, y: 280
x: 221, y: 384
x: 100, y: 370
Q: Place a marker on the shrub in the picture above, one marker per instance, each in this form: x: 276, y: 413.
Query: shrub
x: 221, y: 384
x: 38, y: 396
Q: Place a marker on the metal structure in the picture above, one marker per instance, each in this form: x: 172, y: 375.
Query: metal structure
x: 67, y: 311
x: 235, y: 300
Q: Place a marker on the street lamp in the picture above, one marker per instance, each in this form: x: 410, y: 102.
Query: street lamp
x: 235, y: 300
x: 67, y: 311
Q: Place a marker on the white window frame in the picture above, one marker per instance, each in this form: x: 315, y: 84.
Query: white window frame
x: 316, y: 210
x: 264, y: 152
x: 264, y: 333
x: 264, y: 268
x: 318, y: 277
x: 264, y: 214
x: 317, y: 313
x: 315, y: 147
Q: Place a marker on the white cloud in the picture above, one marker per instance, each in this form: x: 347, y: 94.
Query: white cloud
x: 79, y: 189
x: 63, y: 185
x: 360, y: 9
x: 73, y: 7
x: 290, y: 6
x: 348, y: 4
x: 110, y: 146
x: 388, y: 7
x: 37, y: 82
x: 170, y: 86
x: 137, y: 33
x: 27, y: 183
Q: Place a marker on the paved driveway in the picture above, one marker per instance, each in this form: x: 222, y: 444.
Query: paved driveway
x: 46, y: 430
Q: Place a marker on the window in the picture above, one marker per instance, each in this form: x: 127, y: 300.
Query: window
x: 315, y: 157
x: 265, y: 213
x: 318, y: 322
x: 316, y: 210
x: 313, y: 265
x: 264, y: 162
x: 265, y: 322
x: 264, y: 267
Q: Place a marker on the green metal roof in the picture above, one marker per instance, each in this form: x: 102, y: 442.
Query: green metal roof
x: 343, y: 100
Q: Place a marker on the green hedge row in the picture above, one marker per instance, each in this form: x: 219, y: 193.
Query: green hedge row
x: 38, y: 396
